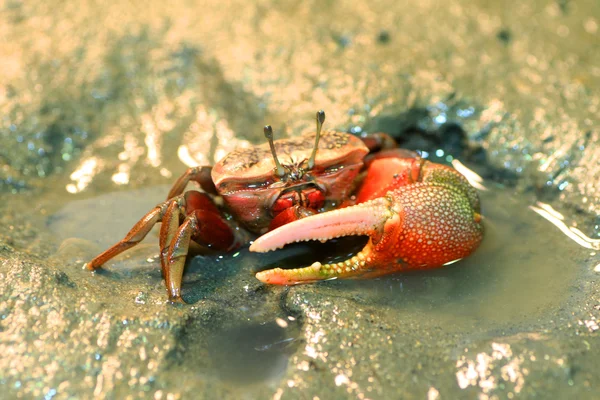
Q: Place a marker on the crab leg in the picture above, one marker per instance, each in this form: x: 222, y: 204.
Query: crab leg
x: 423, y: 225
x: 203, y: 227
x: 201, y: 175
x: 135, y: 235
x: 202, y: 224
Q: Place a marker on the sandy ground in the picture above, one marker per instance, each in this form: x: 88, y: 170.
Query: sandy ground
x: 103, y: 106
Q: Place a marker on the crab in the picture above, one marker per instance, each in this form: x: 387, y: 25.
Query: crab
x: 318, y: 186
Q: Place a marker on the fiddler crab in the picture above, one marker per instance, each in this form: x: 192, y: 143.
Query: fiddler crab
x: 318, y: 186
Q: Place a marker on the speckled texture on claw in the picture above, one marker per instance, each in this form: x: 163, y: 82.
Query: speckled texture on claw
x: 424, y: 225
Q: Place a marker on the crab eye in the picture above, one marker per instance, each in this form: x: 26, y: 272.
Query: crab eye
x: 258, y: 184
x: 237, y: 186
x: 253, y: 185
x: 333, y: 168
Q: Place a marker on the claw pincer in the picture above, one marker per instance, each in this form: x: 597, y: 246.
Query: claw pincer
x: 429, y: 219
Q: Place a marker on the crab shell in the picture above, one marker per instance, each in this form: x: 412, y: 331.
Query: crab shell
x: 248, y: 182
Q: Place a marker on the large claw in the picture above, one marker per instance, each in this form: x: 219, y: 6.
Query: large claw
x: 423, y: 225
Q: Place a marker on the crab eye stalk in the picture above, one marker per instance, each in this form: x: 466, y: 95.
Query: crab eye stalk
x: 320, y: 120
x: 269, y: 135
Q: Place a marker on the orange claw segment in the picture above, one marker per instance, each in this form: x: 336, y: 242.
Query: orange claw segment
x: 439, y: 226
x: 386, y: 174
x: 424, y: 225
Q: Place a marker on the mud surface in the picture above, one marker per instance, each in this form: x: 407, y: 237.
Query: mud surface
x: 104, y: 106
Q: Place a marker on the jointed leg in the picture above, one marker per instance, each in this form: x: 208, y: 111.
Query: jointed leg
x: 168, y: 227
x: 135, y: 235
x: 204, y: 227
x: 378, y: 141
x: 196, y: 174
x: 202, y: 223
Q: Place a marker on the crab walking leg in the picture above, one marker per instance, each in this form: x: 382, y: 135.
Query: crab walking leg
x: 423, y: 225
x: 202, y: 175
x: 134, y: 236
x: 191, y: 201
x: 379, y: 141
x: 203, y: 227
x: 169, y: 214
x: 168, y: 228
x: 203, y: 224
x: 175, y: 255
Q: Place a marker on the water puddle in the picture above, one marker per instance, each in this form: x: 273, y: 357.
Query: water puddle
x: 104, y: 219
x: 240, y: 352
x: 524, y: 267
x: 525, y: 270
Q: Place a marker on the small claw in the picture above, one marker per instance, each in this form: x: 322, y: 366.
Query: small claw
x: 423, y: 225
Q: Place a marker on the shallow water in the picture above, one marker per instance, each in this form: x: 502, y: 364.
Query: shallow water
x: 524, y: 271
x: 244, y: 353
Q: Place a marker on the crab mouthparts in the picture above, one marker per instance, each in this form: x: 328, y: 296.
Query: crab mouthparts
x: 368, y: 218
x: 300, y: 187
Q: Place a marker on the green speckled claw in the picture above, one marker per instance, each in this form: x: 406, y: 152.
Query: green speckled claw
x: 419, y: 226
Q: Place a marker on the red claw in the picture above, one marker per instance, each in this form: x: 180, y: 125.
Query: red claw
x: 291, y: 214
x: 426, y: 218
x: 295, y: 205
